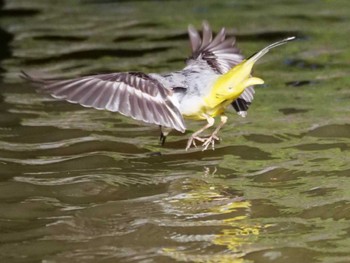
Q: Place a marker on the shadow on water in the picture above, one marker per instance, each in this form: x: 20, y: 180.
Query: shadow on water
x: 270, y: 36
x: 301, y: 63
x: 331, y: 131
x: 60, y: 38
x: 5, y: 50
x: 299, y: 83
x: 96, y: 53
x: 6, y: 38
x: 287, y: 111
x: 17, y: 12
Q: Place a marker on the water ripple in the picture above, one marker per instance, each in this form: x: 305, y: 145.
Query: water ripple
x: 81, y: 185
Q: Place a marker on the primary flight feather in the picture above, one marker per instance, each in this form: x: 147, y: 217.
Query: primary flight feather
x: 215, y: 77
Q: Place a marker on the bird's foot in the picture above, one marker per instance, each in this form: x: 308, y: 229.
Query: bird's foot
x: 210, y: 141
x: 192, y: 141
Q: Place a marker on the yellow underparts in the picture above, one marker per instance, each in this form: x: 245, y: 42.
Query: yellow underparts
x: 228, y: 88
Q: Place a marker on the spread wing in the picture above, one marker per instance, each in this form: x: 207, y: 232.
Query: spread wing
x: 132, y: 94
x: 221, y: 55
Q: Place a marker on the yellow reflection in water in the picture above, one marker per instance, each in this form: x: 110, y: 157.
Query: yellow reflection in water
x: 218, y: 211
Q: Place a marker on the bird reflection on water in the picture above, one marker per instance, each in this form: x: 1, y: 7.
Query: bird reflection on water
x: 217, y: 217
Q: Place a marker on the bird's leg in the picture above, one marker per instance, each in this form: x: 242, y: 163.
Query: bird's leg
x: 213, y: 137
x: 162, y: 138
x: 194, y: 136
x: 164, y: 132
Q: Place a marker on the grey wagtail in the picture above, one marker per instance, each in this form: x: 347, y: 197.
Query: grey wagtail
x: 215, y: 76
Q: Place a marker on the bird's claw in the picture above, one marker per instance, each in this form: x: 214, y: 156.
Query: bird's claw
x: 192, y: 141
x: 206, y: 142
x: 210, y: 141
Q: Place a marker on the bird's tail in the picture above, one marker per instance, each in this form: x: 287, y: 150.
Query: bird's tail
x: 262, y: 52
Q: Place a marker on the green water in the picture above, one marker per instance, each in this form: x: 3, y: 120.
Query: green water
x: 81, y: 185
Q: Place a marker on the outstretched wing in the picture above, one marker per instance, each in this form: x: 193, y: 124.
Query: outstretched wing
x: 221, y: 55
x: 132, y: 94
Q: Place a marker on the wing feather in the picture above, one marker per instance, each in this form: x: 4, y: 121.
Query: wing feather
x: 133, y: 94
x: 213, y: 51
x: 195, y: 39
x: 219, y: 38
x: 221, y: 54
x: 207, y: 35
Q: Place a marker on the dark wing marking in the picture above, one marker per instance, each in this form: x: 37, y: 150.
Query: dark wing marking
x: 242, y: 103
x: 132, y: 94
x: 220, y: 53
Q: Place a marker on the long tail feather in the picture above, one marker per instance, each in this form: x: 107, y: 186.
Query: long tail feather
x: 262, y: 52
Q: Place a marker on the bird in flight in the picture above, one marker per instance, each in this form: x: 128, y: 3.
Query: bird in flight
x: 215, y: 77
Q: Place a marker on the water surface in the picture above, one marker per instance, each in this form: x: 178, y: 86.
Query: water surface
x: 81, y: 185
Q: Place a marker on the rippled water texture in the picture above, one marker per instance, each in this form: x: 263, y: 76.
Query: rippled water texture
x: 82, y: 185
